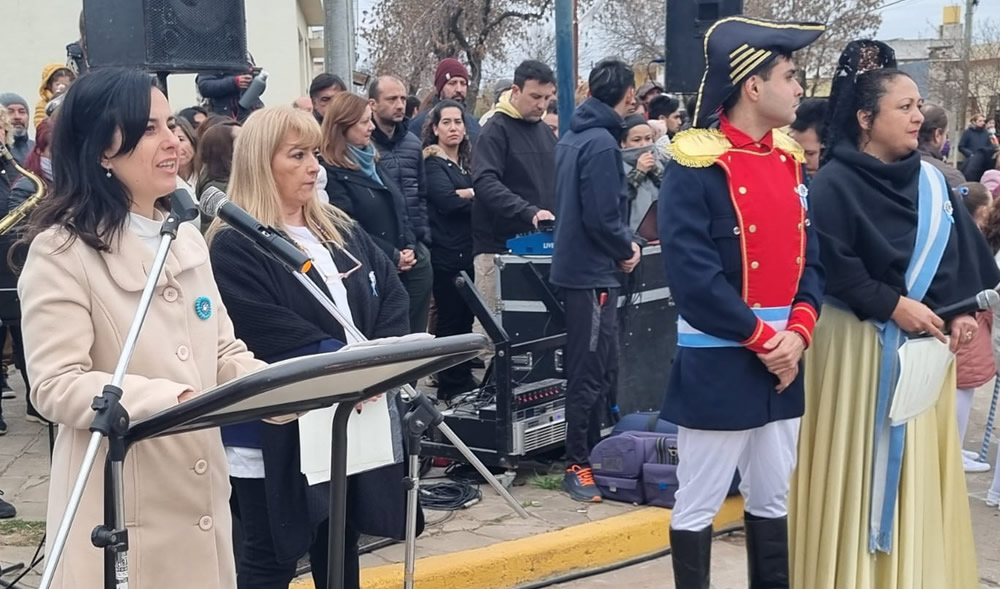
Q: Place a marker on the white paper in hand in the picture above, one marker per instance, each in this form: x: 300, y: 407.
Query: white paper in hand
x: 369, y: 440
x: 369, y: 434
x: 923, y: 366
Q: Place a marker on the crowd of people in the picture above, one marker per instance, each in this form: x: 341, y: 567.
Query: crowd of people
x: 773, y: 211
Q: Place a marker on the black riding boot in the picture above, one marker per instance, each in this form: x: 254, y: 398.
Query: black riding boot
x: 767, y: 551
x: 691, y: 553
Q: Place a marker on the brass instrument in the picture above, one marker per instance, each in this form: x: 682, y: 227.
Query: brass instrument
x: 17, y: 215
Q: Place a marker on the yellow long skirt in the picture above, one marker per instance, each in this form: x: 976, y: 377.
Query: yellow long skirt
x: 932, y: 546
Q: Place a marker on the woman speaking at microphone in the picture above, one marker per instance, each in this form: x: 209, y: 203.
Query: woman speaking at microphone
x: 284, y: 518
x: 91, y: 243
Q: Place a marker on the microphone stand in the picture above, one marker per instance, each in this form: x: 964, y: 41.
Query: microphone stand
x: 112, y: 421
x: 422, y: 415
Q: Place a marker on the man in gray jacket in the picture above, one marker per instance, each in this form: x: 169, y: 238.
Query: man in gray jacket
x: 20, y: 117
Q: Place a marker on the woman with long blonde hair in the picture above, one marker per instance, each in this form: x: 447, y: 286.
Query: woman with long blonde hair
x: 283, y: 517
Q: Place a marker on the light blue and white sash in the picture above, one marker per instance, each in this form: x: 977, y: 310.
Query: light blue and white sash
x: 934, y: 221
x: 689, y: 336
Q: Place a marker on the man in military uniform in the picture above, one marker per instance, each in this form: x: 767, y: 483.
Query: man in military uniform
x: 744, y: 271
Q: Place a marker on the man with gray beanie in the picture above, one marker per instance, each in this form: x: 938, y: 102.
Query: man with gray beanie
x: 17, y: 112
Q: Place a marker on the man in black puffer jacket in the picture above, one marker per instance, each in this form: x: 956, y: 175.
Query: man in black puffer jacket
x: 401, y: 155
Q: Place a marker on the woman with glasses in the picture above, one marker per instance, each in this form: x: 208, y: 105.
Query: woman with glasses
x: 283, y: 517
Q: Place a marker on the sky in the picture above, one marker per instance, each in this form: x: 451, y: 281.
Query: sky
x: 920, y: 18
x: 907, y: 19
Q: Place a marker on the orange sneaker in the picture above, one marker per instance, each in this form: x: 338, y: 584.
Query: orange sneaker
x: 579, y: 483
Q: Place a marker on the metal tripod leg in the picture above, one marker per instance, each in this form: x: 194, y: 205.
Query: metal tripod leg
x: 413, y: 396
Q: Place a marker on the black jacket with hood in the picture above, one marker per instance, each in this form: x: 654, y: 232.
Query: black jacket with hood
x: 591, y: 236
x: 513, y: 172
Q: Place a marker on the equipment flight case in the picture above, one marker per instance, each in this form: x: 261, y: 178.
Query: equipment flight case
x: 521, y: 409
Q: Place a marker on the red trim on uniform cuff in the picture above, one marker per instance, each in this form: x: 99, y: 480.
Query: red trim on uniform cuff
x: 805, y: 315
x: 761, y: 335
x: 805, y: 308
x: 801, y: 330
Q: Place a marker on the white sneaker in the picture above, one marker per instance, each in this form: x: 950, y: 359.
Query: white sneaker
x: 974, y: 465
x: 970, y: 455
x: 992, y: 499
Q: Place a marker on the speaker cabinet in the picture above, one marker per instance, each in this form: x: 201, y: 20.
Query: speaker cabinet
x: 687, y: 23
x: 177, y: 36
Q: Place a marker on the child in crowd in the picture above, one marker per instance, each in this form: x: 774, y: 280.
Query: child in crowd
x: 991, y: 230
x: 975, y: 362
x: 991, y: 180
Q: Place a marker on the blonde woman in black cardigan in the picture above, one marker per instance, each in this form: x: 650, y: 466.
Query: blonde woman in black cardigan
x: 283, y: 517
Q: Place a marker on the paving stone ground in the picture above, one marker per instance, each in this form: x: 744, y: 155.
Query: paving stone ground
x: 24, y: 481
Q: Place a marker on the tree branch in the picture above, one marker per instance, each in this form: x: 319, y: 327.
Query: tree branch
x: 509, y: 14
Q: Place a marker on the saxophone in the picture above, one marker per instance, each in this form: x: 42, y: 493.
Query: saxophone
x: 17, y: 215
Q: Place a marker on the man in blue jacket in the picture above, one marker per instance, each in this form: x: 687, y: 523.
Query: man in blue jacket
x: 593, y: 245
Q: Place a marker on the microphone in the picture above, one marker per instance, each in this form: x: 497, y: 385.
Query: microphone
x: 182, y: 205
x: 984, y: 301
x: 215, y: 203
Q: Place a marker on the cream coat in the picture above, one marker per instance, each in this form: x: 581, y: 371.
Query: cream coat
x: 77, y: 306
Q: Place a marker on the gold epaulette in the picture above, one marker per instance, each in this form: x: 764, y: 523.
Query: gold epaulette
x: 698, y: 148
x: 790, y: 146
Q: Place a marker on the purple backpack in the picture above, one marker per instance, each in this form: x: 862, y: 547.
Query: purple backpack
x: 637, y: 467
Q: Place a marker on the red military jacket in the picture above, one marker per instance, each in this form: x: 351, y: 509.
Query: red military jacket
x: 766, y: 190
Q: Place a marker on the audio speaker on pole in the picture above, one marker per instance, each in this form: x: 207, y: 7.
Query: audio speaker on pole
x: 174, y: 36
x: 687, y: 23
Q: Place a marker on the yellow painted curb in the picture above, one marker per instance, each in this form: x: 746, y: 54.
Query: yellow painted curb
x: 528, y: 560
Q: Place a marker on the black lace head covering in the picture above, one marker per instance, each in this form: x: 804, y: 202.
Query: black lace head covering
x: 859, y: 84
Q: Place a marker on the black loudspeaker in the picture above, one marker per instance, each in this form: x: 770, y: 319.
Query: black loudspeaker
x: 687, y: 23
x: 177, y: 36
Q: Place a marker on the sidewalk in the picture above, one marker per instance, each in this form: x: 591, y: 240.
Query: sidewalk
x: 487, y: 546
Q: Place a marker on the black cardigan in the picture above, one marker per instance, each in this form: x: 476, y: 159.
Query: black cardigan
x: 450, y: 214
x: 866, y: 216
x: 379, y: 209
x: 275, y: 317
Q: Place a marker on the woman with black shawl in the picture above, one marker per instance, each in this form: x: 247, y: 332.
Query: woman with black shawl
x: 874, y: 506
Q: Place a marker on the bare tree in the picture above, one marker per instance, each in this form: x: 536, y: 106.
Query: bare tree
x: 984, y: 72
x: 405, y: 41
x: 634, y: 31
x: 846, y: 20
x: 414, y: 34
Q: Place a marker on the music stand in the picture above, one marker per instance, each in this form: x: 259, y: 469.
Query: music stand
x: 303, y: 384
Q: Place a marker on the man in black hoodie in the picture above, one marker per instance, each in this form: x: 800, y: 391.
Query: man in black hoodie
x: 513, y: 171
x: 401, y: 156
x: 593, y: 245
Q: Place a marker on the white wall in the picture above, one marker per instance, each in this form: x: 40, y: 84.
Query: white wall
x: 36, y: 33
